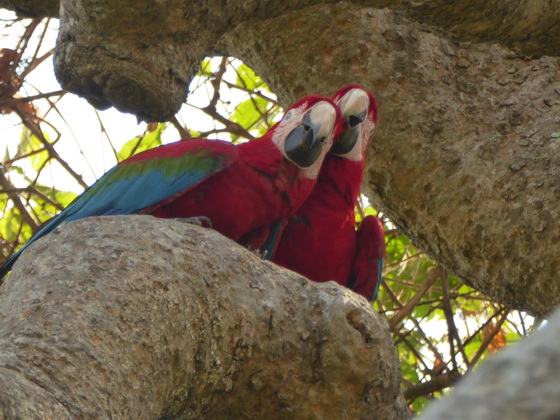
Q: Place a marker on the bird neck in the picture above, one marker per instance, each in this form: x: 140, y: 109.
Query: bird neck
x: 340, y: 177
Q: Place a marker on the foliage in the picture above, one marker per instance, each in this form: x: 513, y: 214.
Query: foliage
x: 442, y: 328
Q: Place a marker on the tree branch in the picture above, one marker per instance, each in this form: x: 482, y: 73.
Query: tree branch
x: 139, y: 317
x: 437, y: 383
x: 520, y: 382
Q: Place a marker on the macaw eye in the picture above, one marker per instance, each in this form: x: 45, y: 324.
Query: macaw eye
x: 288, y: 115
x: 354, y: 120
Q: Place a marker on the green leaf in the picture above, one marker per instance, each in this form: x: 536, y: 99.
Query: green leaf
x: 205, y: 69
x: 30, y: 145
x: 419, y: 404
x: 249, y: 112
x: 247, y: 78
x: 64, y: 198
x: 421, y: 311
x: 10, y: 225
x: 44, y: 209
x: 140, y: 144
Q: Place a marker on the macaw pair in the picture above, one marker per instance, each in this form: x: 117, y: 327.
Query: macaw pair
x: 243, y: 190
x: 320, y: 241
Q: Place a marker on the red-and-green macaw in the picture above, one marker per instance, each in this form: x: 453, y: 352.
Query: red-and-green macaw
x: 238, y: 188
x: 320, y: 241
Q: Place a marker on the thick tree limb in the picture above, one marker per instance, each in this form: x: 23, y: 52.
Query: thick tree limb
x: 32, y: 8
x: 521, y: 382
x: 144, y: 318
x: 529, y: 27
x: 464, y: 157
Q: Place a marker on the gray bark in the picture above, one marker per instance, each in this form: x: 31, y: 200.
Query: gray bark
x: 32, y: 8
x: 141, y: 318
x: 465, y: 156
x: 519, y: 383
x: 529, y: 27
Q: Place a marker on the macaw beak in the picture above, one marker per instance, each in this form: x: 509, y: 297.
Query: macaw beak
x: 305, y: 143
x: 354, y: 107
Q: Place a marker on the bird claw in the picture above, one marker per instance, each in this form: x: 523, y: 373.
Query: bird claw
x: 261, y: 253
x: 198, y: 221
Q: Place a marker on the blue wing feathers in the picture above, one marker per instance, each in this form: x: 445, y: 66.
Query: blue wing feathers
x: 373, y: 297
x: 143, y: 181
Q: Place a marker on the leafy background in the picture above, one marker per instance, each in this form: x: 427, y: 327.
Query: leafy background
x: 441, y: 327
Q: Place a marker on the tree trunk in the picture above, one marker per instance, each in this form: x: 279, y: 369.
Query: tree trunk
x: 465, y: 156
x: 142, y: 318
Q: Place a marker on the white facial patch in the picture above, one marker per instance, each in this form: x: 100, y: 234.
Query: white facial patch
x: 355, y: 102
x: 322, y: 114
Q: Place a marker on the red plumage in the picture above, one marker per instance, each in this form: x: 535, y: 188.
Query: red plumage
x: 320, y: 241
x: 240, y: 189
x: 368, y: 261
x: 260, y: 187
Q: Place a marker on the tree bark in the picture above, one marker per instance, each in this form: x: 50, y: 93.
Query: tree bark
x: 464, y: 157
x: 519, y: 383
x: 144, y: 318
x: 32, y: 8
x: 505, y: 22
x: 528, y: 27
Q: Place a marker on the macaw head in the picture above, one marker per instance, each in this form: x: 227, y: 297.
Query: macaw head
x: 307, y: 131
x: 359, y: 111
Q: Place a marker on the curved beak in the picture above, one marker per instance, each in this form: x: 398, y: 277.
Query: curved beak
x: 354, y: 107
x: 305, y: 143
x: 320, y: 118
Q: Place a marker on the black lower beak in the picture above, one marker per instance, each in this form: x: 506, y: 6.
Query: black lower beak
x: 303, y: 147
x: 346, y: 141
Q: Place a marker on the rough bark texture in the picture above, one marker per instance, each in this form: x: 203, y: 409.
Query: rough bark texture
x: 529, y: 27
x: 139, y: 56
x: 32, y: 8
x: 142, y: 318
x: 519, y: 383
x: 465, y: 157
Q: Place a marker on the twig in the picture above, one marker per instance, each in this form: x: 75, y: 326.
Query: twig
x: 453, y: 334
x: 488, y: 339
x: 406, y: 310
x: 11, y: 102
x: 184, y: 133
x: 35, y: 129
x: 7, y: 185
x: 435, y: 384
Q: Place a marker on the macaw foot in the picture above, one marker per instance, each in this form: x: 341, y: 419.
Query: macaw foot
x: 258, y: 252
x: 198, y: 221
x: 261, y: 253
